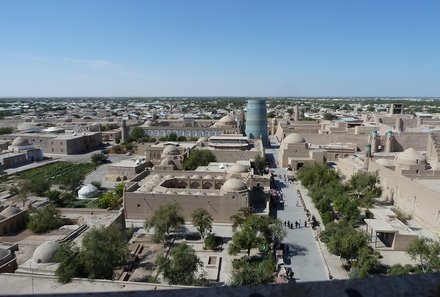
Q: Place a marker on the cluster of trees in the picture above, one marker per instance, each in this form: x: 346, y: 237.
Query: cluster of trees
x: 99, y: 158
x: 111, y: 199
x: 109, y: 126
x: 45, y: 219
x: 102, y: 250
x: 198, y: 158
x: 333, y: 198
x: 338, y: 204
x: 180, y: 266
x: 6, y: 130
x: 253, y: 231
x: 259, y: 164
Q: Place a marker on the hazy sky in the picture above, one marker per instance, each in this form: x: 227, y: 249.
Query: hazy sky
x: 219, y: 48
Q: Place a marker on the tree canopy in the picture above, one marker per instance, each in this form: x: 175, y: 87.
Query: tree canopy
x: 202, y: 220
x: 426, y: 252
x: 198, y: 158
x: 165, y: 219
x: 98, y: 158
x: 136, y: 134
x: 250, y: 272
x: 102, y: 250
x: 181, y: 265
x: 45, y: 219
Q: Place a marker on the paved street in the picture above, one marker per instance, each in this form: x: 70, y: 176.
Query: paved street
x: 304, y: 256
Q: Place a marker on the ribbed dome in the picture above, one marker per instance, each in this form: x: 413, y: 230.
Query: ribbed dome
x: 45, y: 253
x: 20, y: 141
x: 10, y: 211
x: 227, y: 119
x: 410, y: 157
x: 234, y: 185
x: 238, y: 168
x: 88, y: 191
x: 385, y: 162
x: 207, y: 177
x: 293, y: 138
x: 170, y: 150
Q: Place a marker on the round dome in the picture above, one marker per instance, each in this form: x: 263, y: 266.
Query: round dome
x: 202, y: 139
x: 207, y: 177
x: 20, y: 141
x: 227, y: 119
x: 169, y: 176
x: 410, y: 157
x: 166, y: 162
x: 234, y: 185
x: 238, y: 168
x: 148, y: 123
x: 195, y: 176
x: 88, y: 191
x: 45, y: 253
x: 10, y: 211
x: 385, y: 162
x: 170, y: 150
x: 219, y: 177
x: 293, y: 138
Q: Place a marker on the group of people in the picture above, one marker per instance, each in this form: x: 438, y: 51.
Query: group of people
x: 297, y: 223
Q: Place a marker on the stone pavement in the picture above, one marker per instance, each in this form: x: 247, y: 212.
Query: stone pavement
x: 304, y: 256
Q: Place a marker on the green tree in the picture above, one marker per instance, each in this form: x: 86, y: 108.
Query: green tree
x: 119, y: 189
x: 259, y: 164
x: 202, y: 220
x: 165, y: 219
x: 399, y: 269
x: 6, y: 130
x: 329, y: 117
x: 45, y: 219
x: 426, y: 252
x: 256, y: 231
x: 252, y: 272
x: 117, y: 149
x: 212, y: 242
x: 108, y: 200
x: 181, y: 138
x: 198, y: 158
x: 365, y: 186
x: 98, y: 158
x: 70, y: 265
x: 102, y: 250
x: 172, y: 136
x: 136, y: 133
x: 239, y: 218
x: 181, y: 265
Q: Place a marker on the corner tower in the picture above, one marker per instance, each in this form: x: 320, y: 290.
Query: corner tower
x: 256, y: 120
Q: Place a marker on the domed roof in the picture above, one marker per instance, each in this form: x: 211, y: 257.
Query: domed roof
x: 227, y: 119
x: 20, y: 141
x: 88, y: 191
x: 10, y: 211
x: 238, y: 168
x: 148, y: 123
x: 169, y: 176
x: 219, y: 177
x: 385, y: 162
x: 410, y: 157
x: 195, y: 176
x: 293, y: 138
x: 207, y: 177
x: 202, y: 140
x: 170, y: 150
x: 45, y: 253
x: 234, y: 185
x: 166, y: 162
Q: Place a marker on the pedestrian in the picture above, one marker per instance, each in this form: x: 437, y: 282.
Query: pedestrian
x: 299, y: 223
x: 285, y: 224
x: 288, y: 223
x: 305, y: 223
x: 291, y: 225
x: 296, y: 224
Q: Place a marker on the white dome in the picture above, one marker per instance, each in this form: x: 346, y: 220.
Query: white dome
x: 148, y: 123
x: 166, y: 162
x: 293, y: 138
x: 219, y: 177
x: 227, y: 120
x: 88, y: 191
x: 238, y: 168
x: 410, y: 157
x: 20, y: 141
x: 385, y: 162
x: 195, y: 176
x: 202, y: 139
x: 207, y: 177
x: 170, y: 150
x: 234, y: 185
x: 45, y: 253
x: 10, y: 211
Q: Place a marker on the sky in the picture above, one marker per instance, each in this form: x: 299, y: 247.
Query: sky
x: 72, y: 48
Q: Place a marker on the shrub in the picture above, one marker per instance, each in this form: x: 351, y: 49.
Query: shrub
x: 42, y: 220
x: 212, y: 242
